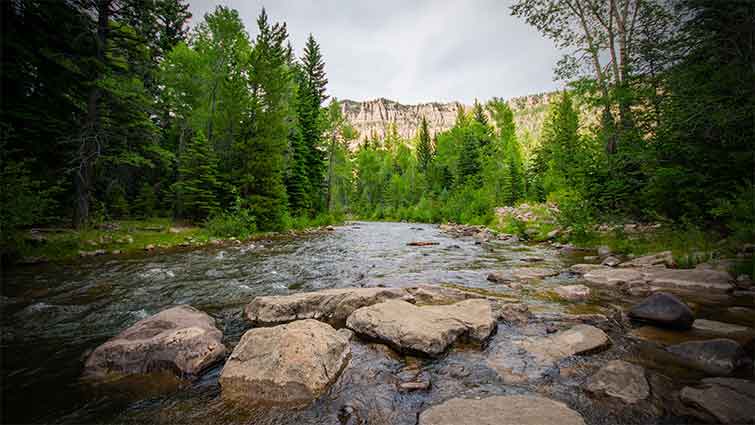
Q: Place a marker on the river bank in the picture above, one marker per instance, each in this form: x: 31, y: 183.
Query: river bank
x: 128, y: 237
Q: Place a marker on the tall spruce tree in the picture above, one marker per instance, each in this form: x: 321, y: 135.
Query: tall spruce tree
x: 171, y: 17
x: 469, y: 157
x: 298, y: 187
x: 479, y: 113
x: 424, y: 146
x: 262, y: 150
x: 312, y: 87
x: 196, y: 189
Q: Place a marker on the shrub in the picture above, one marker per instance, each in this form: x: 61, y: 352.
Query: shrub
x: 574, y: 212
x: 239, y: 223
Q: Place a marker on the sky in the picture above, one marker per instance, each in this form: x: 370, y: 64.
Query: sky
x: 413, y: 51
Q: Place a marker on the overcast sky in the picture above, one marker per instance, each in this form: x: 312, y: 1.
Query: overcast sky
x: 413, y: 50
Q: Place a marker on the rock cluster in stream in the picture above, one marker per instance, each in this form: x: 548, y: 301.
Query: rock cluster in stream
x: 300, y: 345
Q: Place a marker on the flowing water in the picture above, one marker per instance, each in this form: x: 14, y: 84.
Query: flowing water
x: 54, y: 315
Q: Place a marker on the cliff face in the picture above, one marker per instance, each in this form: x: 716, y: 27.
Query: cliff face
x: 375, y: 116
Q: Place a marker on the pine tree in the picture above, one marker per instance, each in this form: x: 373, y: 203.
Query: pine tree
x: 172, y: 17
x: 424, y: 147
x: 262, y: 152
x: 196, y: 189
x: 298, y: 187
x: 469, y: 157
x: 311, y: 96
x: 479, y: 113
x: 461, y: 116
x: 561, y: 142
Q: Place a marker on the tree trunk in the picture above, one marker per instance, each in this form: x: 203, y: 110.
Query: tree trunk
x: 90, y: 138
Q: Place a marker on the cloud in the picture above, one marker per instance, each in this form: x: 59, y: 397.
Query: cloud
x: 413, y: 51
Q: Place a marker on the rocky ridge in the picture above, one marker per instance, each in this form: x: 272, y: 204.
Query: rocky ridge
x: 374, y: 117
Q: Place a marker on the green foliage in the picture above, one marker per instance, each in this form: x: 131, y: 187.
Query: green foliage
x: 478, y: 113
x: 23, y: 200
x: 575, y: 213
x: 195, y: 192
x: 239, y: 224
x: 738, y: 214
x: 424, y: 146
x: 117, y: 206
x: 312, y: 87
x: 146, y: 202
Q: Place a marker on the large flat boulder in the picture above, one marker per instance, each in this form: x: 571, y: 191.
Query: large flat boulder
x: 576, y: 340
x: 428, y: 330
x: 181, y: 339
x: 330, y: 305
x: 515, y: 409
x: 663, y: 309
x: 722, y: 400
x: 608, y: 276
x: 689, y: 279
x: 286, y: 364
x: 619, y: 379
x: 719, y: 357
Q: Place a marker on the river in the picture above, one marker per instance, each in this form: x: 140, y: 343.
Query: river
x: 53, y: 315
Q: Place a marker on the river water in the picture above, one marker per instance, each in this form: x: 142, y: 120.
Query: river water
x: 53, y: 315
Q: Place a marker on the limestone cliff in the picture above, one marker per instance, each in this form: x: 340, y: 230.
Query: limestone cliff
x: 375, y: 116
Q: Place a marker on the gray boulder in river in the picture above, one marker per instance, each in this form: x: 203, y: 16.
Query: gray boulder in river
x: 515, y: 409
x: 428, y: 330
x: 180, y: 339
x: 286, y: 364
x: 330, y: 305
x: 721, y: 400
x: 620, y: 379
x: 663, y: 309
x: 718, y: 357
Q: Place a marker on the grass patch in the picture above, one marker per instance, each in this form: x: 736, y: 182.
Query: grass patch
x: 126, y: 236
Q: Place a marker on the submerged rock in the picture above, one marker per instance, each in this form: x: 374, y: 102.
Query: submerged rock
x: 573, y: 292
x: 521, y: 273
x: 663, y: 309
x: 330, y: 305
x: 428, y: 330
x: 586, y: 268
x: 527, y: 273
x: 608, y: 276
x: 286, y: 364
x: 721, y: 328
x: 620, y: 379
x: 718, y: 357
x: 181, y: 339
x: 722, y: 400
x: 577, y: 340
x: 517, y: 409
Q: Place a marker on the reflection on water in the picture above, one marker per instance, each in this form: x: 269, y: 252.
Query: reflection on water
x: 54, y: 315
